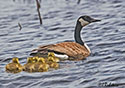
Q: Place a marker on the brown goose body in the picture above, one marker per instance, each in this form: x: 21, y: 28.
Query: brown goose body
x: 74, y: 50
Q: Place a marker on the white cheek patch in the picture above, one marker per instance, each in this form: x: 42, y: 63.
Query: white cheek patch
x: 83, y: 22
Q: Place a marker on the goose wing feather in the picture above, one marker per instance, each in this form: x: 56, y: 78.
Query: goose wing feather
x: 71, y: 49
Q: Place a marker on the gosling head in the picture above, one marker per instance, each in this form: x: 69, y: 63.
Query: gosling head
x: 35, y: 59
x: 85, y: 20
x: 15, y: 60
x: 51, y: 54
x: 30, y: 60
x: 41, y: 59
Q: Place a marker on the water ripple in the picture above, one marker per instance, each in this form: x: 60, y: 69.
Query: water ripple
x: 105, y: 39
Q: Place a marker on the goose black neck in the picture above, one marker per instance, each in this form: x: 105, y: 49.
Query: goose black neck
x: 77, y: 33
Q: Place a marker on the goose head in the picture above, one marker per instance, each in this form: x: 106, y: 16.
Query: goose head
x: 85, y: 20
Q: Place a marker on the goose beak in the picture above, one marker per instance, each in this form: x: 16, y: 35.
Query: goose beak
x: 94, y: 20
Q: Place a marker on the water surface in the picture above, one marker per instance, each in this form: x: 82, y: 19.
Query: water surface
x: 106, y: 40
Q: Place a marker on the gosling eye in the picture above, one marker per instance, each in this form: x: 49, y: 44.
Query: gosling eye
x: 17, y: 68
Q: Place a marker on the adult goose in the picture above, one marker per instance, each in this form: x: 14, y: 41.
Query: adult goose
x: 77, y: 50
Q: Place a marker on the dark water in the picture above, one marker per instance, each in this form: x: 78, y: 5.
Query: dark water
x: 106, y: 40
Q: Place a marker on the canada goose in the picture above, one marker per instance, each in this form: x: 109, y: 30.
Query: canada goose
x: 75, y: 50
x: 14, y: 66
x: 29, y: 66
x: 51, y: 57
x: 35, y: 59
x: 52, y: 60
x: 54, y: 65
x: 41, y: 65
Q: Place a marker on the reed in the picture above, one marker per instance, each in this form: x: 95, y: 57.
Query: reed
x: 78, y: 1
x: 19, y: 26
x: 38, y: 7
